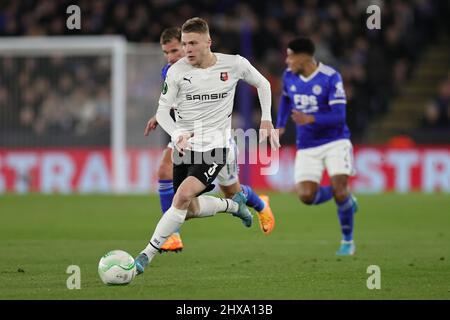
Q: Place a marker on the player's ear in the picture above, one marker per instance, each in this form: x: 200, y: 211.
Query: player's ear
x: 209, y: 41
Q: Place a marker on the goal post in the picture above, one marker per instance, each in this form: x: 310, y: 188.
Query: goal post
x: 80, y: 48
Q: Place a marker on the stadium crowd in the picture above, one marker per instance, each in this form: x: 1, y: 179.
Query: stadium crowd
x: 55, y: 95
x: 75, y: 97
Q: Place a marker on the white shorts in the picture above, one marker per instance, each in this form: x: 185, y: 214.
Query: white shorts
x: 230, y: 172
x: 336, y: 157
x: 170, y: 145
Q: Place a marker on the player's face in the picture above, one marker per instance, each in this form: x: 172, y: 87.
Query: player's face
x: 196, y: 46
x: 296, y: 61
x: 173, y: 51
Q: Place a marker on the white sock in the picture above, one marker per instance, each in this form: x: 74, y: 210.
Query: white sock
x: 209, y: 206
x: 168, y: 224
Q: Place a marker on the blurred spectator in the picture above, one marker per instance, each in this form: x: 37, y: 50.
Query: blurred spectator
x: 431, y: 116
x: 437, y: 111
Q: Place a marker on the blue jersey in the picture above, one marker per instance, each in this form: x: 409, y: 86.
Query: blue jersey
x: 321, y: 95
x: 164, y: 71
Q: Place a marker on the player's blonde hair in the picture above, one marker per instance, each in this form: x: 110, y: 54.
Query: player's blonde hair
x: 197, y: 25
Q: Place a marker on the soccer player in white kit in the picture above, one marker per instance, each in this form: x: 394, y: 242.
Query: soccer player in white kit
x: 202, y: 86
x: 228, y: 177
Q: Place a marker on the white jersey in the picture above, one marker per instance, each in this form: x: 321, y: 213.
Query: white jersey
x: 204, y: 99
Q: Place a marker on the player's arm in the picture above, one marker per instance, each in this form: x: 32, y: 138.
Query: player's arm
x: 302, y: 118
x: 152, y: 123
x: 249, y: 74
x: 337, y: 102
x: 166, y: 101
x: 284, y: 109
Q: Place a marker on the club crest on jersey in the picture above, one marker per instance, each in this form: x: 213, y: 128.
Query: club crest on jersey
x: 317, y: 89
x: 224, y: 76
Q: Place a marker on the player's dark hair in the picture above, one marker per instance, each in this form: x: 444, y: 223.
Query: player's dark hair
x: 169, y: 34
x: 197, y: 25
x: 302, y: 45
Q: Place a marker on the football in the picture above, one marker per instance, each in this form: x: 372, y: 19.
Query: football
x: 117, y: 267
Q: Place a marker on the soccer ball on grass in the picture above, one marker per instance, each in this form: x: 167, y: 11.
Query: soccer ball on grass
x: 117, y: 267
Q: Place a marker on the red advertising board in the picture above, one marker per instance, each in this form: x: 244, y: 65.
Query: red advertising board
x: 378, y: 169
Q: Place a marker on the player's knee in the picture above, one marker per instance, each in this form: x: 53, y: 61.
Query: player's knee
x: 306, y: 196
x: 165, y: 172
x: 340, y: 195
x: 182, y: 197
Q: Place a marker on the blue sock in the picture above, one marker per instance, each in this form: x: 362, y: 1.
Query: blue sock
x: 165, y: 190
x: 323, y: 195
x: 345, y: 214
x: 253, y: 200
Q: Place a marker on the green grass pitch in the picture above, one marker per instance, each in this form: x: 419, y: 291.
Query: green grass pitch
x: 407, y: 236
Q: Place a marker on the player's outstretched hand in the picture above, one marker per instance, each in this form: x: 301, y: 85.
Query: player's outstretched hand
x: 266, y: 131
x: 301, y: 118
x: 151, y: 125
x: 182, y: 142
